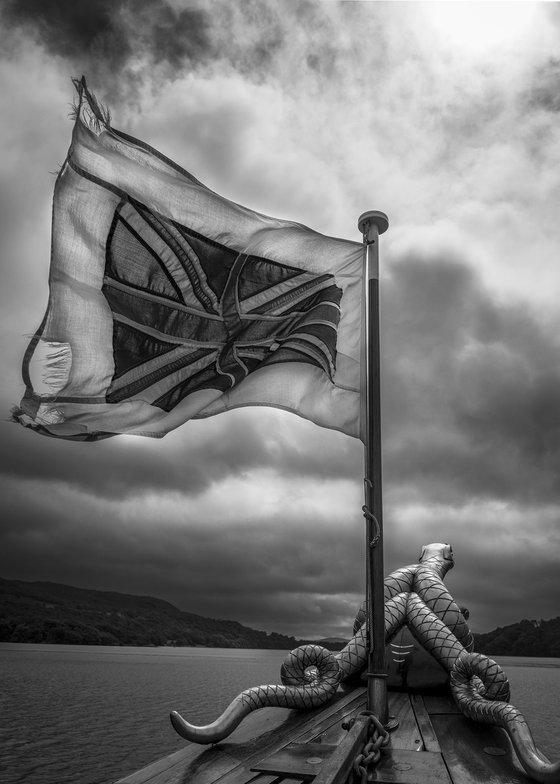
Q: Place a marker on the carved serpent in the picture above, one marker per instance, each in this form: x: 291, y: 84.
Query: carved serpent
x: 415, y: 596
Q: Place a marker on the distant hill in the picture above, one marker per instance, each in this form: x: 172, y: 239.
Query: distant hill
x: 525, y: 638
x: 42, y: 612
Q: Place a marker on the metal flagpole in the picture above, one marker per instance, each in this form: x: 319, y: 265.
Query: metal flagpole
x: 372, y: 224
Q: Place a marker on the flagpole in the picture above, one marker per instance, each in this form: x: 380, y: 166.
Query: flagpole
x: 372, y: 224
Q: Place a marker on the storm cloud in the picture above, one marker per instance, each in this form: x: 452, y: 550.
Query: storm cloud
x: 115, y: 41
x: 471, y: 387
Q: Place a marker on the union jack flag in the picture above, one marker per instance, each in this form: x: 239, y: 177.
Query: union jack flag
x: 168, y: 302
x: 191, y: 314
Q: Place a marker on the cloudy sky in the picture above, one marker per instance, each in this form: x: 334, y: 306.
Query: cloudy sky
x: 446, y: 117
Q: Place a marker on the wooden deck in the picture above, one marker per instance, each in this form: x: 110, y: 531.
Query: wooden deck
x: 433, y: 744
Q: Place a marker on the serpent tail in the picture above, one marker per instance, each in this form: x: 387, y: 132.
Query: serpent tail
x: 310, y: 676
x: 481, y: 691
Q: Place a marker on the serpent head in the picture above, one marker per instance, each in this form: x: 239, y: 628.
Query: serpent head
x: 438, y: 554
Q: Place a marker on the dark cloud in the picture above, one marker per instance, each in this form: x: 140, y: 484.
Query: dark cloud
x: 506, y: 584
x: 545, y: 90
x: 201, y: 565
x: 72, y: 29
x: 470, y: 387
x: 123, y: 40
x: 187, y: 461
x: 256, y: 37
x: 297, y: 574
x: 117, y: 470
x: 263, y: 36
x: 506, y: 559
x: 115, y: 41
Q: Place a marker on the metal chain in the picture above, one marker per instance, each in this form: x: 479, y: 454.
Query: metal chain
x: 377, y: 737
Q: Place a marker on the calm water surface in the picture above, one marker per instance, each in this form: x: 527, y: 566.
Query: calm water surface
x: 92, y: 714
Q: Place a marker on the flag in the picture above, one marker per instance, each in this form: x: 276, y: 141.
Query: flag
x: 168, y: 302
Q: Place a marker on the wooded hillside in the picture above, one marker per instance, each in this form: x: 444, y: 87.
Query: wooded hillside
x: 41, y: 612
x: 525, y: 638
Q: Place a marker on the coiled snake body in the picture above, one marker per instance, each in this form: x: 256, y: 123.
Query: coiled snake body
x: 415, y: 596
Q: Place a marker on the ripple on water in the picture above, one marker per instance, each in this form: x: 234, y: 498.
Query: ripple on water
x: 93, y: 714
x: 90, y: 715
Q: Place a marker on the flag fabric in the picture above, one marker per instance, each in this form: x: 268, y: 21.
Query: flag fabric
x: 168, y: 302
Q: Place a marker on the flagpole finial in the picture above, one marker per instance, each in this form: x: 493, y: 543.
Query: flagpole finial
x: 373, y: 220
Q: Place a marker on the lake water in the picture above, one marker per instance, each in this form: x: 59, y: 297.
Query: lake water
x: 92, y: 714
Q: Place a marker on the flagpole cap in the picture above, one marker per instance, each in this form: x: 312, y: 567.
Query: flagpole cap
x: 375, y: 217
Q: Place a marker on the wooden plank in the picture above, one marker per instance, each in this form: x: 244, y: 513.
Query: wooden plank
x: 271, y: 778
x: 440, y: 702
x: 327, y: 725
x: 285, y: 780
x: 429, y: 737
x: 407, y: 735
x: 302, y: 760
x: 332, y: 728
x: 402, y: 766
x: 336, y: 768
x: 338, y: 730
x: 205, y: 764
x: 288, y: 780
x: 266, y: 778
x: 463, y: 744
